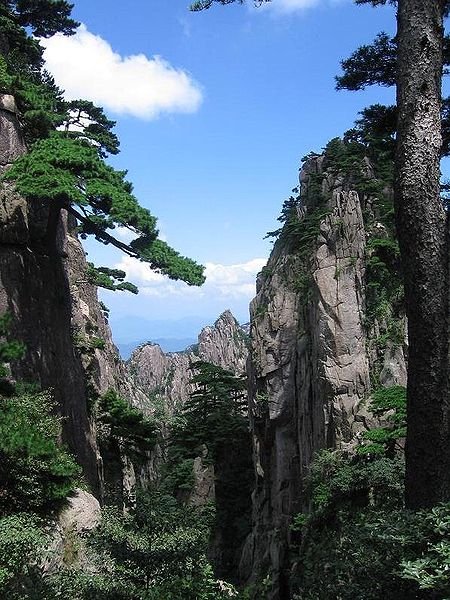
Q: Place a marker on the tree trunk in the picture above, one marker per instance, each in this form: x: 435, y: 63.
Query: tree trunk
x: 423, y: 237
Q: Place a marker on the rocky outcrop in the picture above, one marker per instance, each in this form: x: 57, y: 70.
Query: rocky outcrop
x: 55, y: 312
x: 166, y: 377
x: 12, y: 144
x: 35, y: 290
x: 67, y: 546
x: 224, y: 344
x: 309, y: 365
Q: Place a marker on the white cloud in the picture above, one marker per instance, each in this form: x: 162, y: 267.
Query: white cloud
x: 224, y: 281
x: 124, y: 234
x: 86, y: 66
x: 292, y: 6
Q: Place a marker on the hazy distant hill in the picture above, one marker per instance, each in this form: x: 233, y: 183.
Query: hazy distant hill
x: 167, y: 345
x: 171, y: 335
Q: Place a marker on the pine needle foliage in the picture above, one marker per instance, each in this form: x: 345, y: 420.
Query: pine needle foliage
x: 68, y: 143
x: 36, y: 473
x: 128, y: 427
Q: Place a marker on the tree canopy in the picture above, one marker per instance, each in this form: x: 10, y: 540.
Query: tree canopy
x: 68, y: 143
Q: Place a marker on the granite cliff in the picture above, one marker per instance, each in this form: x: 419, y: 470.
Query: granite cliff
x: 313, y: 353
x: 324, y: 332
x: 165, y: 376
x: 56, y: 313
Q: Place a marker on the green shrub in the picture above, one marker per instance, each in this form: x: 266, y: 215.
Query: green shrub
x: 159, y: 551
x: 389, y: 403
x: 431, y: 567
x: 10, y: 350
x: 127, y: 425
x: 358, y: 541
x: 21, y: 541
x: 36, y: 473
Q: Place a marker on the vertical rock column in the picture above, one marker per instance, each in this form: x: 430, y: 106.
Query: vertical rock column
x: 309, y: 368
x: 35, y: 290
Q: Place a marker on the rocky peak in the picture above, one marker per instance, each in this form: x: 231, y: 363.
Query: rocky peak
x: 165, y: 377
x: 309, y: 358
x: 224, y: 344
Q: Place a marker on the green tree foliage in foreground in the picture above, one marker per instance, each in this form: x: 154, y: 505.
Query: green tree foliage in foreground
x: 22, y: 542
x: 36, y: 473
x: 157, y: 553
x: 68, y: 142
x: 358, y: 541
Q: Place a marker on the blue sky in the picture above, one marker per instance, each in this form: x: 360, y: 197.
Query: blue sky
x: 212, y: 130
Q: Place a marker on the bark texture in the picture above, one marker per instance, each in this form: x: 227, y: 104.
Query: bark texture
x: 423, y: 238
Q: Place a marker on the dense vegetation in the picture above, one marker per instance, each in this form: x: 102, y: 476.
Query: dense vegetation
x: 156, y: 549
x: 358, y: 540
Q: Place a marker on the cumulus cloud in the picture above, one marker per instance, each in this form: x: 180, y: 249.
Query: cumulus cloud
x: 225, y: 281
x: 292, y: 6
x: 124, y: 234
x: 86, y: 66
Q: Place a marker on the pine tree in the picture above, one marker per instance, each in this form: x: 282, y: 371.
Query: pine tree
x: 68, y: 143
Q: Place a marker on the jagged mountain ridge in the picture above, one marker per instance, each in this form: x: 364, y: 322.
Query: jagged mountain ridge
x: 165, y: 376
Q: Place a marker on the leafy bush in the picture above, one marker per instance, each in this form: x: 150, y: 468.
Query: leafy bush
x: 35, y: 472
x: 21, y: 540
x: 337, y: 482
x: 127, y: 425
x: 431, y: 568
x: 10, y: 350
x: 358, y: 541
x: 156, y: 553
x: 389, y: 403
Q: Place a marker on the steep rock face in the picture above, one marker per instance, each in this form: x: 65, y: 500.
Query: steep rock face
x: 165, y: 377
x: 55, y: 311
x: 12, y: 144
x: 35, y: 290
x: 309, y: 366
x: 224, y: 344
x: 102, y: 368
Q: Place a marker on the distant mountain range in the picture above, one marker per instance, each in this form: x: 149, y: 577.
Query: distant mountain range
x: 167, y: 345
x: 171, y: 335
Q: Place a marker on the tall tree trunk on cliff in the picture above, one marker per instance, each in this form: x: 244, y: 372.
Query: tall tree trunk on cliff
x: 423, y: 237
